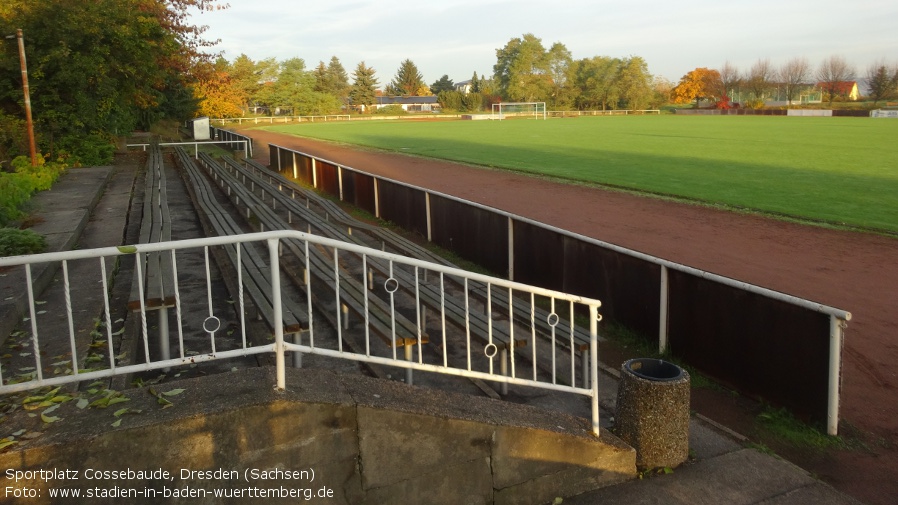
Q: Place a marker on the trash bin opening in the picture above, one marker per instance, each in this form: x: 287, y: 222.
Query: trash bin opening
x: 654, y: 369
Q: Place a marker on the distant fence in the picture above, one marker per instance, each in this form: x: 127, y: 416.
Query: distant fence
x: 773, y: 112
x: 282, y: 119
x: 766, y: 344
x: 616, y: 112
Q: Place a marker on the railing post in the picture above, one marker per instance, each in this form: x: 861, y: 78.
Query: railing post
x: 594, y: 364
x: 376, y: 199
x: 510, y: 248
x: 340, y: 180
x: 427, y: 213
x: 662, y: 317
x: 277, y: 313
x: 835, y: 369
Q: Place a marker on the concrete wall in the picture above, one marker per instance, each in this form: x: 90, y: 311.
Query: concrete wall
x: 350, y: 438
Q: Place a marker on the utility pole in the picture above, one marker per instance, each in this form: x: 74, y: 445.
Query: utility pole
x: 28, y: 121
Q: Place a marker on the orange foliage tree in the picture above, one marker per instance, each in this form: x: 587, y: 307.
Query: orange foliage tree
x: 699, y: 84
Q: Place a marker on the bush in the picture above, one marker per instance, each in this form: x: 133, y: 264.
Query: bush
x: 15, y: 242
x: 88, y: 150
x: 15, y: 190
x: 391, y: 110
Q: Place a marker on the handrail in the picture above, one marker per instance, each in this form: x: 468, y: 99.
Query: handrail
x: 586, y: 384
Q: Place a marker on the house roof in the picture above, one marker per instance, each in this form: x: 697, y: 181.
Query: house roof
x: 405, y: 100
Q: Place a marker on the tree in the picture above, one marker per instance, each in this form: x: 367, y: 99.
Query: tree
x: 634, y: 83
x: 661, y: 88
x: 832, y: 74
x: 364, y: 87
x: 443, y: 84
x: 217, y: 93
x: 522, y: 70
x: 475, y: 83
x: 699, y: 84
x: 558, y: 64
x: 332, y: 79
x: 759, y: 79
x: 793, y: 75
x: 730, y: 80
x: 102, y: 68
x: 245, y: 78
x: 408, y: 80
x: 882, y: 83
x: 595, y: 80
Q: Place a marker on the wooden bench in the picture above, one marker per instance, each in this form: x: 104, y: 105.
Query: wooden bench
x: 153, y: 285
x: 392, y: 328
x: 253, y: 265
x: 338, y: 223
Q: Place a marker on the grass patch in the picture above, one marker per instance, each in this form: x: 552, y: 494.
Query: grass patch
x: 842, y: 171
x: 782, y: 426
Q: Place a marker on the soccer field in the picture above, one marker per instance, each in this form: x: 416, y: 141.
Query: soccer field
x: 838, y: 170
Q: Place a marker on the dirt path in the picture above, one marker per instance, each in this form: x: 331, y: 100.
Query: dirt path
x: 857, y: 272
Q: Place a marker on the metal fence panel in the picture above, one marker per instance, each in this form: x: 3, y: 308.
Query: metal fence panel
x: 761, y: 346
x: 326, y: 174
x: 403, y: 205
x: 628, y: 287
x: 538, y: 255
x: 473, y: 233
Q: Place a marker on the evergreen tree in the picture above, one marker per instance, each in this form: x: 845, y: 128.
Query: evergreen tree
x: 364, y: 86
x: 408, y: 80
x: 443, y: 84
x: 475, y: 83
x: 337, y: 79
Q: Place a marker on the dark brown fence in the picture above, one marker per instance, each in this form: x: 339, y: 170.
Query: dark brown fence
x: 769, y: 345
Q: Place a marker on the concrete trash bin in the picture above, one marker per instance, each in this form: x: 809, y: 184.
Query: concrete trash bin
x: 653, y: 412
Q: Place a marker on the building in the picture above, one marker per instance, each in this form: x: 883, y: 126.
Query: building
x: 464, y: 86
x: 844, y: 89
x: 410, y: 103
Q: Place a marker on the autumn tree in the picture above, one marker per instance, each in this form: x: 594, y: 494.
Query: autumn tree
x: 832, y: 74
x: 217, y: 93
x: 364, y: 86
x: 408, y: 80
x: 699, y: 84
x: 882, y: 82
x: 793, y: 75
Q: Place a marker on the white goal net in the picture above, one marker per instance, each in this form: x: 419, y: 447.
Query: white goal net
x: 529, y: 110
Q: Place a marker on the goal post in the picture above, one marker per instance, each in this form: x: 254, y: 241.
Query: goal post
x: 534, y: 110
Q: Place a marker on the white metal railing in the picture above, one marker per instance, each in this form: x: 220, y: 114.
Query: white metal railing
x: 196, y: 145
x: 547, y: 362
x: 282, y: 119
x: 838, y: 317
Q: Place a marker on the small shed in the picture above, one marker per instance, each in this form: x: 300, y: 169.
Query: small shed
x: 199, y: 128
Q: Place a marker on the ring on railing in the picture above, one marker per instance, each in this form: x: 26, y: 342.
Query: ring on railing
x: 488, y: 348
x: 553, y: 319
x: 598, y: 317
x: 217, y: 324
x: 395, y: 285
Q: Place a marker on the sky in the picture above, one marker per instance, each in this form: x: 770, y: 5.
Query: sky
x: 460, y: 37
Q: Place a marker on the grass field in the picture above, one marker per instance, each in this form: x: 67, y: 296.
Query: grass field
x: 837, y: 170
